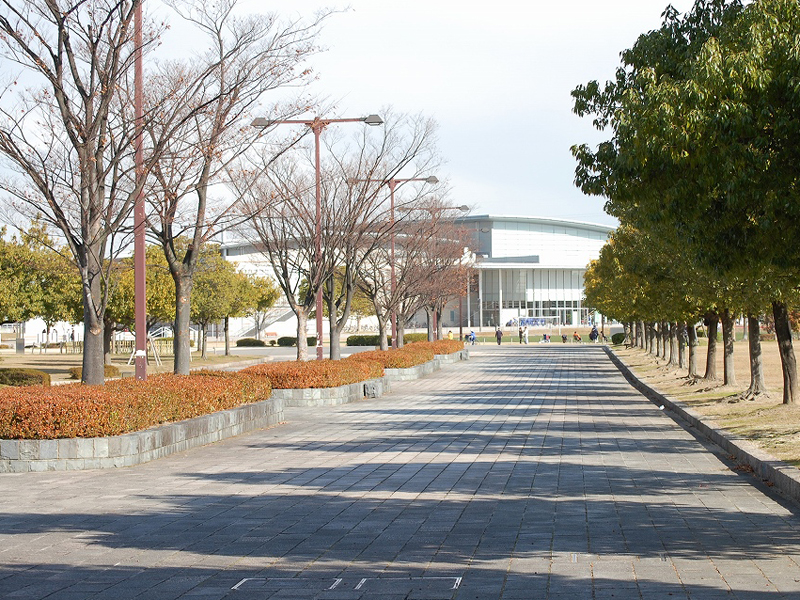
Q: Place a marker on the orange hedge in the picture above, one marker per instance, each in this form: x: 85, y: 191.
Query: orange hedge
x: 122, y: 406
x: 316, y: 373
x: 409, y: 355
x: 387, y: 359
x: 446, y: 346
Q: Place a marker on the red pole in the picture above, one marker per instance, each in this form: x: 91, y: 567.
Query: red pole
x: 139, y: 250
x: 317, y: 127
x: 392, y: 184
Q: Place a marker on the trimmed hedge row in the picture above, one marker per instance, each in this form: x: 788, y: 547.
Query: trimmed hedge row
x: 123, y: 405
x: 374, y: 340
x: 295, y: 375
x: 23, y: 377
x: 410, y: 355
x: 617, y: 338
x: 250, y: 343
x: 287, y: 341
x: 109, y: 371
x: 126, y: 405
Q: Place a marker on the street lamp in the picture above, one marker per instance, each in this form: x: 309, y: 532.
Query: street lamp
x: 392, y: 183
x: 316, y: 125
x: 139, y: 248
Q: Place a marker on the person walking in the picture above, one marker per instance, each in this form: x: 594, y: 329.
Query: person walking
x: 520, y: 334
x: 499, y: 335
x: 525, y: 335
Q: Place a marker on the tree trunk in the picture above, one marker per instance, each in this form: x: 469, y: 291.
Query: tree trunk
x: 93, y: 367
x: 640, y: 335
x: 728, y: 337
x: 661, y: 346
x: 227, y: 336
x: 334, y: 340
x: 302, y: 334
x: 693, y: 343
x: 401, y: 328
x: 337, y: 321
x: 431, y: 332
x: 651, y: 328
x: 382, y: 340
x: 181, y: 344
x: 757, y: 384
x: 712, y: 324
x: 659, y: 333
x: 673, y: 346
x: 108, y: 333
x: 788, y: 363
x: 681, y: 333
x: 203, y: 339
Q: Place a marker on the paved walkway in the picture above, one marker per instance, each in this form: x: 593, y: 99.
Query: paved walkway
x: 529, y: 472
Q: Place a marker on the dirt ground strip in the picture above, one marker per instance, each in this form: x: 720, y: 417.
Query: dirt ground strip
x: 766, y: 421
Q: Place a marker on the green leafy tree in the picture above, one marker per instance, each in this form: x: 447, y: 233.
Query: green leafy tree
x: 58, y: 282
x: 243, y: 302
x: 704, y: 129
x: 216, y: 284
x: 19, y: 293
x: 267, y: 295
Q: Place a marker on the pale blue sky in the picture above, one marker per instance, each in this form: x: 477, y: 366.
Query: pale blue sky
x: 495, y: 75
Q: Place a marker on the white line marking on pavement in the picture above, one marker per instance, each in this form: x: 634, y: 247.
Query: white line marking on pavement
x: 245, y: 580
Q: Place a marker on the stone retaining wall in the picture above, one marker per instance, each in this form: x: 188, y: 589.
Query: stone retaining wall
x: 372, y: 388
x: 138, y: 447
x: 427, y: 368
x: 17, y: 456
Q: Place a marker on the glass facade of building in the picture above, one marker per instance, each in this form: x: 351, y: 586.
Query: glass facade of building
x: 529, y: 271
x: 553, y: 295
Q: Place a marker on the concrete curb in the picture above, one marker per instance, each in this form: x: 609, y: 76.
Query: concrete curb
x: 77, y: 454
x: 785, y: 478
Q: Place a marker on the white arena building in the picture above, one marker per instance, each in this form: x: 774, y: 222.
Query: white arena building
x: 528, y: 268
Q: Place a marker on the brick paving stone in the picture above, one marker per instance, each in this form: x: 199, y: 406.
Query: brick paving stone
x: 528, y: 472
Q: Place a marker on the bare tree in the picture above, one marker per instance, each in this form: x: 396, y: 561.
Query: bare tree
x: 443, y: 263
x: 61, y: 133
x: 213, y: 95
x: 360, y: 215
x: 354, y: 218
x: 428, y: 268
x: 282, y: 227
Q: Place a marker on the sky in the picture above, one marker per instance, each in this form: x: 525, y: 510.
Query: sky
x: 496, y: 76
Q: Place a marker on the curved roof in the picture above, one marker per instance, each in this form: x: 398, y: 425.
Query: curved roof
x: 540, y: 221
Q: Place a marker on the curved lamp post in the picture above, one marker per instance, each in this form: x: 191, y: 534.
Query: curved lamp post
x: 316, y: 125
